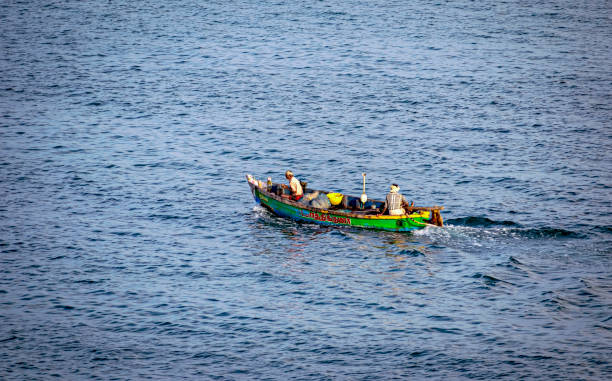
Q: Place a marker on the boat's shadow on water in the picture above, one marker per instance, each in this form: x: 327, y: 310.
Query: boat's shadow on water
x: 296, y: 244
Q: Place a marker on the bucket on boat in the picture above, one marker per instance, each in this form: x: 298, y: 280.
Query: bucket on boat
x: 335, y: 198
x: 422, y: 213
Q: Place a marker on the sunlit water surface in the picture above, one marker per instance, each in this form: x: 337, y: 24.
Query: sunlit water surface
x: 131, y: 247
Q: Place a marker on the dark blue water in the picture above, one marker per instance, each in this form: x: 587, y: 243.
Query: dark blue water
x: 131, y: 247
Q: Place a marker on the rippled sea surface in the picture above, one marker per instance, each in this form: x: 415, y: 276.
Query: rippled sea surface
x: 131, y: 247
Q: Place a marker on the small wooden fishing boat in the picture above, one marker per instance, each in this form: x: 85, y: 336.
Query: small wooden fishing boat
x: 349, y: 212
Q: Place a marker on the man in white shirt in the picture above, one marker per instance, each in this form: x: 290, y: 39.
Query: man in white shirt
x: 294, y: 185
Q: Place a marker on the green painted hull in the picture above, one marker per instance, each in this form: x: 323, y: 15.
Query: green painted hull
x: 301, y: 212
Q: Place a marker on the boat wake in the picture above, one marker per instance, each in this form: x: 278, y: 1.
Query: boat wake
x: 479, y: 222
x: 483, y: 233
x: 510, y: 228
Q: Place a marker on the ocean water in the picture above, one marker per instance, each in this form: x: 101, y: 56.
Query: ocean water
x: 131, y: 247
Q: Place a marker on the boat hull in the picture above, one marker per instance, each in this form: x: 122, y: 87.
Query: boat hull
x: 301, y: 212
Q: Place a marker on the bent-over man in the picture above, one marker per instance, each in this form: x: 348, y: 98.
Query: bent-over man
x: 294, y: 186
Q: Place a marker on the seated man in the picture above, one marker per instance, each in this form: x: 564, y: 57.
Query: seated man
x: 294, y: 185
x: 394, y: 202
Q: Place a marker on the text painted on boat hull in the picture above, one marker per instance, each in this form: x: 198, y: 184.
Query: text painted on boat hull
x: 326, y: 218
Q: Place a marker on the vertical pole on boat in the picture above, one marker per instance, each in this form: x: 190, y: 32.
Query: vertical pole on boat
x: 364, y: 197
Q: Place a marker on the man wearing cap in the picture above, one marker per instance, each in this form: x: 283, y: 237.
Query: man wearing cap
x: 294, y: 185
x: 394, y: 202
